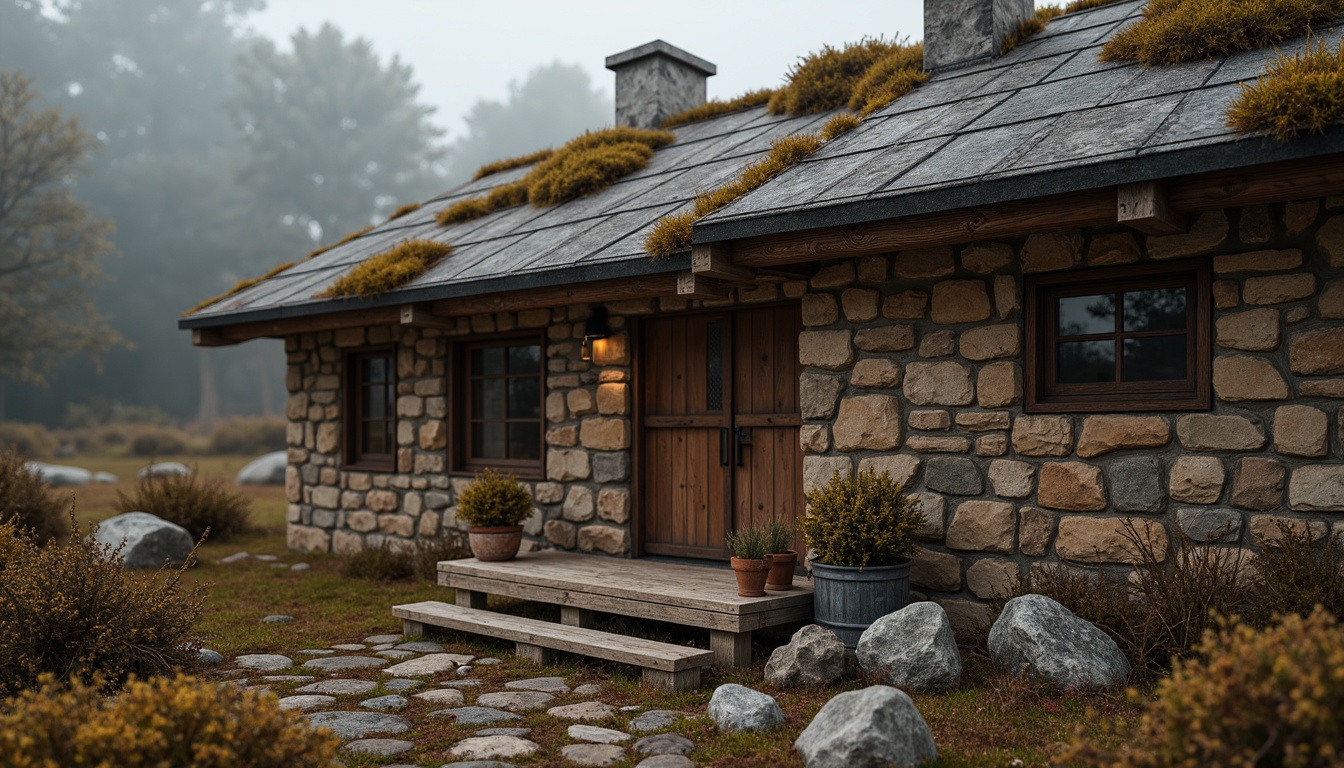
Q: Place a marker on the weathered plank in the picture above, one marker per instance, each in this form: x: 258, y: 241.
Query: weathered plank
x: 1145, y: 206
x: 559, y: 637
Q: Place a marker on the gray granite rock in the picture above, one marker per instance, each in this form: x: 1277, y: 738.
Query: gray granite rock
x: 288, y: 679
x: 543, y: 684
x: 588, y: 689
x: 912, y: 648
x: 463, y: 684
x: 654, y: 720
x: 164, y: 469
x: 264, y: 662
x: 149, y: 540
x: 476, y: 715
x: 236, y: 557
x: 593, y: 755
x: 597, y: 735
x: 207, y: 656
x: 305, y: 702
x: 339, y: 687
x: 421, y: 646
x: 401, y: 684
x: 348, y: 647
x: 874, y: 727
x: 515, y: 701
x: 383, y: 639
x: 484, y: 747
x: 447, y: 697
x: 813, y: 656
x: 379, y: 747
x: 58, y: 476
x: 277, y: 618
x: 105, y: 478
x: 735, y: 707
x: 395, y: 654
x: 665, y: 744
x: 587, y: 710
x: 342, y: 663
x: 299, y: 567
x: 1136, y: 485
x: 504, y: 731
x: 489, y: 661
x: 390, y: 703
x: 1210, y: 523
x: 431, y: 664
x: 267, y: 558
x: 317, y: 652
x: 666, y: 761
x: 267, y: 469
x: 1037, y: 637
x: 953, y: 475
x: 357, y: 725
x: 478, y: 764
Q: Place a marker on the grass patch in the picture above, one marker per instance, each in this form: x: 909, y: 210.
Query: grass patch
x: 342, y: 241
x: 584, y: 166
x: 842, y: 123
x: 388, y: 270
x: 1176, y: 31
x: 238, y: 287
x: 672, y: 233
x: 508, y: 164
x: 404, y: 210
x: 716, y: 107
x: 1297, y: 93
x: 859, y: 73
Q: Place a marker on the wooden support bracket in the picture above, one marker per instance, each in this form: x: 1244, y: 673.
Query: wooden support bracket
x: 714, y: 260
x: 419, y: 316
x: 1146, y: 207
x: 693, y: 286
x: 210, y: 337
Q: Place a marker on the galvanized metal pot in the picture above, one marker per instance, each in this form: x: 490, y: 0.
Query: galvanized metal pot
x: 848, y: 600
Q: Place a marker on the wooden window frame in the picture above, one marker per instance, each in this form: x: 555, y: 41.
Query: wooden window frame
x: 352, y: 411
x: 1042, y: 395
x: 460, y: 459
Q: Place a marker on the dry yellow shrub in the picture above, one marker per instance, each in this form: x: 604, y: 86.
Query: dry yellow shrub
x: 388, y: 270
x: 499, y: 166
x: 842, y: 123
x: 404, y: 210
x: 1175, y: 31
x: 1297, y: 93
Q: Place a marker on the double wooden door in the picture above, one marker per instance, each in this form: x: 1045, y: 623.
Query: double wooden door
x: 720, y: 422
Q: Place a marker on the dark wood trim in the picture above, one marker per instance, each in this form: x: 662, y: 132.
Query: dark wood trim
x: 560, y: 295
x: 1041, y: 395
x: 352, y: 411
x: 634, y: 339
x: 459, y: 460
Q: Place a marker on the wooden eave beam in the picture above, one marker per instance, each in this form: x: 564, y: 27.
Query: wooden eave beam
x: 618, y: 289
x: 1145, y: 206
x: 209, y: 337
x: 691, y: 285
x: 419, y: 316
x: 715, y: 261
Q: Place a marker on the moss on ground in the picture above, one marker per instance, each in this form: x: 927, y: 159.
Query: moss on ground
x: 388, y: 270
x: 1297, y: 93
x: 1176, y: 31
x: 238, y: 287
x: 716, y: 107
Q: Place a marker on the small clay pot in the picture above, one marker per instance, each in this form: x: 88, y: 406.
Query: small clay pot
x: 495, y: 543
x: 751, y: 576
x: 781, y: 571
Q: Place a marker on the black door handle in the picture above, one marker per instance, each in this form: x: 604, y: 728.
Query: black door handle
x: 723, y: 447
x: 743, y: 439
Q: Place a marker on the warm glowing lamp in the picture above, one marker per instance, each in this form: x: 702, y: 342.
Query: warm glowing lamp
x: 594, y: 328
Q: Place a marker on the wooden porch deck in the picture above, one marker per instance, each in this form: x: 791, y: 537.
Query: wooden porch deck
x: 682, y: 594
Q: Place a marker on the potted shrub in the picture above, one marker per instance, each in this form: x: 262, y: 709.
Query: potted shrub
x: 749, y: 563
x: 494, y: 507
x: 860, y: 532
x: 781, y: 556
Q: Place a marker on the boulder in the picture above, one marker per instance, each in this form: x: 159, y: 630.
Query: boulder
x: 912, y: 648
x: 105, y: 478
x: 164, y: 469
x: 58, y: 476
x: 814, y: 656
x: 268, y: 469
x: 1038, y: 637
x: 150, y: 541
x: 736, y: 707
x: 874, y: 727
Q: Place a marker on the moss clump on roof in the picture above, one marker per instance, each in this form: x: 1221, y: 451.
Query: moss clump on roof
x: 716, y: 107
x: 1175, y: 31
x: 828, y: 79
x: 388, y: 270
x: 1082, y: 5
x: 342, y: 241
x: 1297, y: 93
x: 238, y: 287
x: 499, y: 166
x: 672, y: 233
x: 1029, y: 27
x: 889, y: 78
x: 839, y: 124
x: 404, y: 210
x: 588, y: 164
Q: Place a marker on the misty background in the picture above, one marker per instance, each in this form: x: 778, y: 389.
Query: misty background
x: 235, y: 135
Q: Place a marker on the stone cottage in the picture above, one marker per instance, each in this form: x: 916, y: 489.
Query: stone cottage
x: 1048, y: 294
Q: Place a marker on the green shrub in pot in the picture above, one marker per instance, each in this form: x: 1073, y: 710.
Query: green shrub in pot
x: 494, y: 506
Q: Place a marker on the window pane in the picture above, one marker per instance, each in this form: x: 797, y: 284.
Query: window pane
x: 487, y: 440
x: 375, y: 370
x: 1085, y: 362
x: 487, y: 362
x: 1162, y: 309
x: 524, y: 398
x: 525, y: 441
x: 376, y: 438
x: 375, y: 402
x: 487, y: 398
x: 523, y: 360
x: 1161, y: 358
x: 1080, y: 315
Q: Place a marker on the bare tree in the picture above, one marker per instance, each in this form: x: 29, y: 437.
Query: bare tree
x: 49, y: 244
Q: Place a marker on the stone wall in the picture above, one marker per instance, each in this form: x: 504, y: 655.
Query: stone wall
x: 583, y: 499
x: 914, y: 365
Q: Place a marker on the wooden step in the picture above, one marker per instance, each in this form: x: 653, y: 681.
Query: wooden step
x: 668, y: 666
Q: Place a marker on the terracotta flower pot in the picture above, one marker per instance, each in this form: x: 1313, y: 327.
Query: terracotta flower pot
x: 751, y: 576
x: 493, y: 544
x: 781, y: 571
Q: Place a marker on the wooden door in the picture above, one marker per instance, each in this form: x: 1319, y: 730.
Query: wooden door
x: 719, y: 427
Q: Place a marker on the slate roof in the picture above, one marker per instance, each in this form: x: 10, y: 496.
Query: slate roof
x: 596, y: 237
x: 1047, y: 118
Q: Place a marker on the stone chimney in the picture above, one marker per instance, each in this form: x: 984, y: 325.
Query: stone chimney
x: 656, y: 81
x: 962, y: 32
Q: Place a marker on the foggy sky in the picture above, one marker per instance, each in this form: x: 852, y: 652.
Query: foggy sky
x: 464, y: 50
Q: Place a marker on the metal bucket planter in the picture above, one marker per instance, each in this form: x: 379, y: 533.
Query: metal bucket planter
x: 848, y: 600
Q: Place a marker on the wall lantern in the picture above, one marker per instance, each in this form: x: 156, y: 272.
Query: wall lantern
x: 594, y: 329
